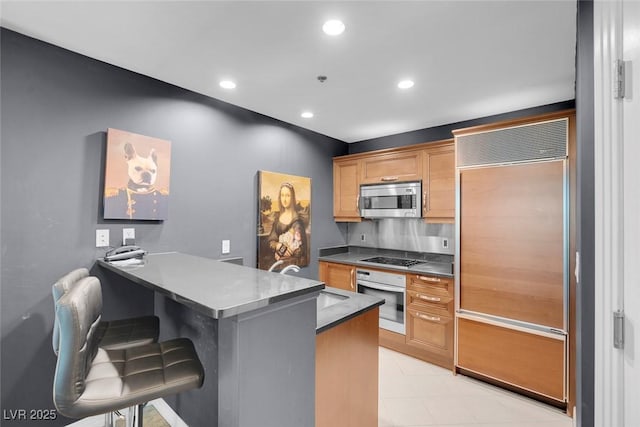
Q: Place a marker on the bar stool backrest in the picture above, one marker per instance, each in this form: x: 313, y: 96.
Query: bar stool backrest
x: 78, y: 313
x: 61, y: 287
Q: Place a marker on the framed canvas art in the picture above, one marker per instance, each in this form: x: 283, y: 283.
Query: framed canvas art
x: 284, y: 220
x: 137, y: 175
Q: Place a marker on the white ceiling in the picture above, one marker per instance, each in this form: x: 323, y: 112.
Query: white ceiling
x: 468, y: 59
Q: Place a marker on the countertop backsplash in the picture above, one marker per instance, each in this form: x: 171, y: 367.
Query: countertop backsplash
x: 402, y: 234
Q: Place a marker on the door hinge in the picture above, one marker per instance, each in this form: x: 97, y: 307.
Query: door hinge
x: 618, y: 329
x: 619, y: 82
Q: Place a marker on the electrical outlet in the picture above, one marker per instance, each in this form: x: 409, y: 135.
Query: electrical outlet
x: 102, y: 238
x: 128, y: 236
x: 363, y: 237
x: 445, y: 243
x: 226, y: 246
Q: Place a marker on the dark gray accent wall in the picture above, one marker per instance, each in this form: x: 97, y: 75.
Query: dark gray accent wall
x: 438, y: 133
x: 56, y: 108
x: 585, y: 298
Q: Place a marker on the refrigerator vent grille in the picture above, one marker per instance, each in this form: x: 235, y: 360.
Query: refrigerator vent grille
x: 539, y: 141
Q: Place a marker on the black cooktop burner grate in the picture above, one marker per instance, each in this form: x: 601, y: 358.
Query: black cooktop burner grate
x: 402, y: 262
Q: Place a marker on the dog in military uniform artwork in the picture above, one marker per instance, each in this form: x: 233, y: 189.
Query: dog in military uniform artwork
x: 140, y: 199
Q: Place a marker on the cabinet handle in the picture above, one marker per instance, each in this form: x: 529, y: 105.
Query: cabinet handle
x: 429, y: 279
x: 429, y: 318
x: 428, y: 298
x: 424, y: 201
x: 358, y: 202
x: 389, y: 178
x: 351, y: 278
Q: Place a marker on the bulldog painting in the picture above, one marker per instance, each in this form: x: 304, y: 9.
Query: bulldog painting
x: 136, y: 184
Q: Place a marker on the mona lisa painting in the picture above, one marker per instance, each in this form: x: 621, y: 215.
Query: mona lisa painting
x: 284, y: 220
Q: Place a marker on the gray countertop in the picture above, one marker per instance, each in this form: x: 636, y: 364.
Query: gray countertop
x: 436, y: 264
x: 216, y: 289
x: 350, y: 305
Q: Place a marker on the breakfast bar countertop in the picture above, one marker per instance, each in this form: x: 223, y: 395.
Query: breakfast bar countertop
x: 347, y: 306
x: 216, y: 289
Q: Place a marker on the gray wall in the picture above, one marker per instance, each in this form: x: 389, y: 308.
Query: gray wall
x: 56, y: 108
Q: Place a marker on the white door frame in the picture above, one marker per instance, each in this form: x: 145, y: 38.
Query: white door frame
x: 609, y: 209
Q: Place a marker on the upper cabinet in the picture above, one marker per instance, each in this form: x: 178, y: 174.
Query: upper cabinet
x: 439, y: 184
x: 432, y: 163
x: 346, y: 189
x: 391, y: 167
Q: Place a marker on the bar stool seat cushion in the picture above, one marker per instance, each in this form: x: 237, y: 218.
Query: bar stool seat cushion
x: 123, y: 378
x: 125, y: 333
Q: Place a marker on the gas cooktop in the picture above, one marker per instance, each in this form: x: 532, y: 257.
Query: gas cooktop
x: 399, y: 262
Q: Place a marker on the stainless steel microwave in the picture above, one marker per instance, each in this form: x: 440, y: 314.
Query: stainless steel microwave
x: 397, y: 200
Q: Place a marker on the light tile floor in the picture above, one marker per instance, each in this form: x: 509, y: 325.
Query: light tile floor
x: 416, y: 393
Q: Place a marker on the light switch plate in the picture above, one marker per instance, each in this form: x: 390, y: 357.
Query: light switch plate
x: 102, y: 238
x: 226, y: 246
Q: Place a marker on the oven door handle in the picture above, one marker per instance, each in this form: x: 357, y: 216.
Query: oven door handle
x: 381, y: 287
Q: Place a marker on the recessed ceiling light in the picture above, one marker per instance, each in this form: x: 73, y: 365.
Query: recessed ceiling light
x: 306, y: 114
x: 333, y: 27
x: 405, y: 84
x: 227, y: 84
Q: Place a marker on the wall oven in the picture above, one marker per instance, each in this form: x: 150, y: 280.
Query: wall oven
x: 391, y: 287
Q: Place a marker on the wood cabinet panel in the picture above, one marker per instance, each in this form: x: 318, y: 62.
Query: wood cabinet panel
x: 532, y: 362
x: 511, y: 251
x: 340, y: 276
x: 430, y: 330
x: 346, y: 190
x: 392, y: 167
x: 347, y: 373
x: 438, y: 185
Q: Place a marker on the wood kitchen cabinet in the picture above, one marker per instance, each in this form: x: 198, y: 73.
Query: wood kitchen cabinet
x: 347, y: 373
x: 346, y: 190
x: 390, y: 167
x: 432, y: 163
x: 439, y: 184
x: 430, y: 317
x: 342, y: 276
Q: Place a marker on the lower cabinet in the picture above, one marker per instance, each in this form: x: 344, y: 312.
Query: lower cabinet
x: 341, y: 276
x: 347, y: 373
x: 429, y: 313
x: 431, y: 332
x: 430, y: 317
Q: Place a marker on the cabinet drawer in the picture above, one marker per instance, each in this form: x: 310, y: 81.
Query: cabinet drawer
x: 431, y: 285
x: 430, y: 331
x: 421, y: 300
x: 528, y: 360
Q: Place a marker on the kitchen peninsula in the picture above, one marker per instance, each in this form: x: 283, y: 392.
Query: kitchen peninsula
x: 254, y: 331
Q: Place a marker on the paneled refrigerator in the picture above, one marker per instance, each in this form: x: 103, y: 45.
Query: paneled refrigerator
x: 512, y: 253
